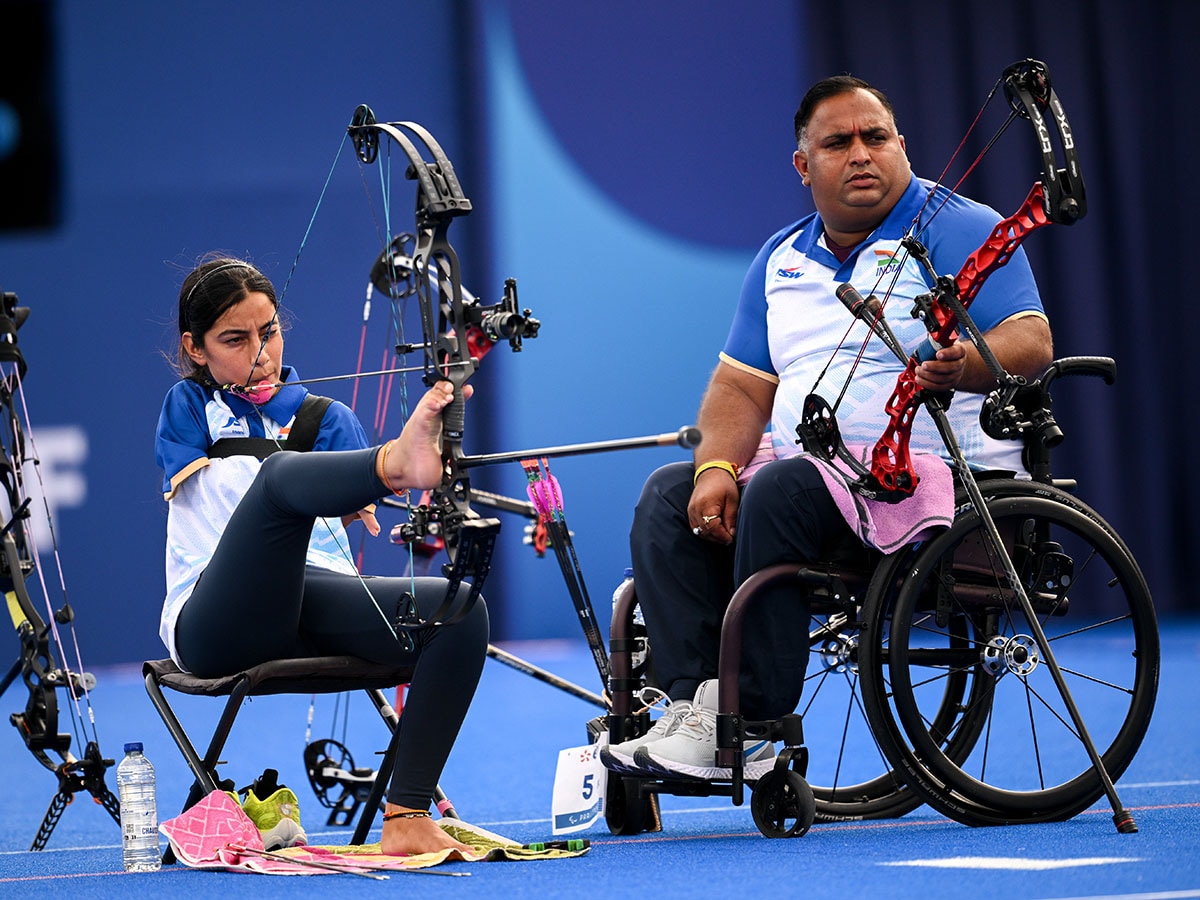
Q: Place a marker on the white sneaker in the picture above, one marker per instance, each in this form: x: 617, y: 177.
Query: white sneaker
x: 691, y: 749
x: 619, y: 757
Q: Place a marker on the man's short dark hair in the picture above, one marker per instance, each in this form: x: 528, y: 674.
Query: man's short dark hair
x: 831, y: 87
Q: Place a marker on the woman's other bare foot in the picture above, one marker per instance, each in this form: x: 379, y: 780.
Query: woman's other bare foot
x: 409, y: 837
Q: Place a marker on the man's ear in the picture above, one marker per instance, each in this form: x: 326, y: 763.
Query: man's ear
x: 800, y: 164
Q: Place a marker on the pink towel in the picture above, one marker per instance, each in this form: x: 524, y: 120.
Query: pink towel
x: 217, y: 834
x: 884, y: 526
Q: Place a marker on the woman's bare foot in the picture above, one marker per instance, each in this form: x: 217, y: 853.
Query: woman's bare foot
x: 409, y: 837
x: 414, y: 460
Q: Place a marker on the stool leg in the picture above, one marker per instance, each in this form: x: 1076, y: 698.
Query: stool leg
x: 382, y: 775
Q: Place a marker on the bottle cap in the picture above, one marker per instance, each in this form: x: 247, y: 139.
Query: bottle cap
x: 135, y: 745
x: 628, y: 572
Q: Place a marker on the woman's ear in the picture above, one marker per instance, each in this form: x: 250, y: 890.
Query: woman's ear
x: 195, y: 352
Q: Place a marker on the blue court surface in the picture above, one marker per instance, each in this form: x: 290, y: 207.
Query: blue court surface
x: 501, y: 777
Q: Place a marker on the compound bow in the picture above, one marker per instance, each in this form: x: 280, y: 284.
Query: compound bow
x: 1057, y: 198
x: 43, y: 675
x: 457, y: 330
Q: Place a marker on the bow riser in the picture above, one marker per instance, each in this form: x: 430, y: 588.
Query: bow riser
x: 891, y: 461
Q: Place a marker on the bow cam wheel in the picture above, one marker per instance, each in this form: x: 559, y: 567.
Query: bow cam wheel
x: 322, y: 761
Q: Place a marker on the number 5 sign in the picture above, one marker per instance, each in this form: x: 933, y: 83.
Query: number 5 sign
x: 579, y: 783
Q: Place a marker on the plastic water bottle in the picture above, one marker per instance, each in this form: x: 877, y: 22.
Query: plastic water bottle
x: 139, y: 811
x: 639, y: 623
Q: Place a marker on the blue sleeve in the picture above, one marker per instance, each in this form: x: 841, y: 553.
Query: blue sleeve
x: 182, y: 435
x: 960, y: 228
x: 340, y: 430
x: 747, y: 341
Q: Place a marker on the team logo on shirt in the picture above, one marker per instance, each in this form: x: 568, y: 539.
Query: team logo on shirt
x: 232, y: 427
x: 886, y: 262
x: 793, y: 272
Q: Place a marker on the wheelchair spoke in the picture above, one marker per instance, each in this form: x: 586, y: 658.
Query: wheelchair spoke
x: 849, y: 773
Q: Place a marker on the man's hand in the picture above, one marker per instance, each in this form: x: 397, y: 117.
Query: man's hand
x: 1022, y: 344
x: 712, y: 512
x: 733, y: 413
x: 945, y: 371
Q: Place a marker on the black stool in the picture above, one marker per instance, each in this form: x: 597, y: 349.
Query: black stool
x: 316, y: 675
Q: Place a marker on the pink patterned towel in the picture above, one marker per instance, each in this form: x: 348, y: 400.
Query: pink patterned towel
x: 217, y: 834
x: 884, y: 526
x: 201, y: 836
x: 889, y: 526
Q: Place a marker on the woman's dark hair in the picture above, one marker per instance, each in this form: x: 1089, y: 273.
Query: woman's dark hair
x: 831, y: 87
x: 209, y: 290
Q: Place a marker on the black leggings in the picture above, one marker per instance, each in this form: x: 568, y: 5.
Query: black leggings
x: 258, y: 601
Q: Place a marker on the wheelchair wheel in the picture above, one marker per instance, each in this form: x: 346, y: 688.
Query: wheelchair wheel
x: 782, y: 804
x: 851, y: 777
x: 627, y: 810
x: 850, y: 774
x: 956, y: 615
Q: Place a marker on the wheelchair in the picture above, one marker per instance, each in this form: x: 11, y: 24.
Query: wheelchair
x: 928, y: 681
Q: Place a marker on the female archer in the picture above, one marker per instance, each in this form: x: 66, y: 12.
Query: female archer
x: 258, y: 565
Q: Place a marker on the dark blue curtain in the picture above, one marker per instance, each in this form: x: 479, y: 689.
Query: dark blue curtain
x: 1117, y: 283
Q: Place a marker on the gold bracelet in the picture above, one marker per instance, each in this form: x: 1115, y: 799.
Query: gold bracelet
x: 381, y: 468
x: 716, y: 464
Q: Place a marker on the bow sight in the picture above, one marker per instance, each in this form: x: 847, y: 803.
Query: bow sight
x: 392, y: 273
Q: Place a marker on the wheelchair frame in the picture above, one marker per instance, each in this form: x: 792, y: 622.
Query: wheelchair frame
x: 929, y: 643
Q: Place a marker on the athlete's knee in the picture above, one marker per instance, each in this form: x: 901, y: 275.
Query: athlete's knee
x: 666, y: 491
x: 782, y: 482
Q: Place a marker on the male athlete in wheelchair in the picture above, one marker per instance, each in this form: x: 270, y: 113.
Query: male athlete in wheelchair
x: 982, y: 642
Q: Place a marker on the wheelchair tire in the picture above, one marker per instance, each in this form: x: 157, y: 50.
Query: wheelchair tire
x: 955, y: 615
x: 782, y: 804
x: 627, y: 811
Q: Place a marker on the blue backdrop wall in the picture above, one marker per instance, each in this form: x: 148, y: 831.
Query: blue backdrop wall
x: 624, y: 163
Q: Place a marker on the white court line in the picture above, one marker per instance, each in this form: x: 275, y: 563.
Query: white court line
x: 1154, y: 895
x: 1013, y: 863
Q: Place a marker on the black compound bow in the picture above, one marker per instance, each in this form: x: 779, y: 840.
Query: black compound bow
x: 43, y: 674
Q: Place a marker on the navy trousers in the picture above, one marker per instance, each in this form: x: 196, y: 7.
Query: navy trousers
x: 684, y: 582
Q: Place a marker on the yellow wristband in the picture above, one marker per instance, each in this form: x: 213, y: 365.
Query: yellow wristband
x: 716, y: 464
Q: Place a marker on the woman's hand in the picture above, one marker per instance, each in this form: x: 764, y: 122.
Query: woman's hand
x: 367, y: 517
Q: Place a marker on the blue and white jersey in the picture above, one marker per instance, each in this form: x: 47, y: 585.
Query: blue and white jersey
x: 789, y: 324
x: 202, y: 493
